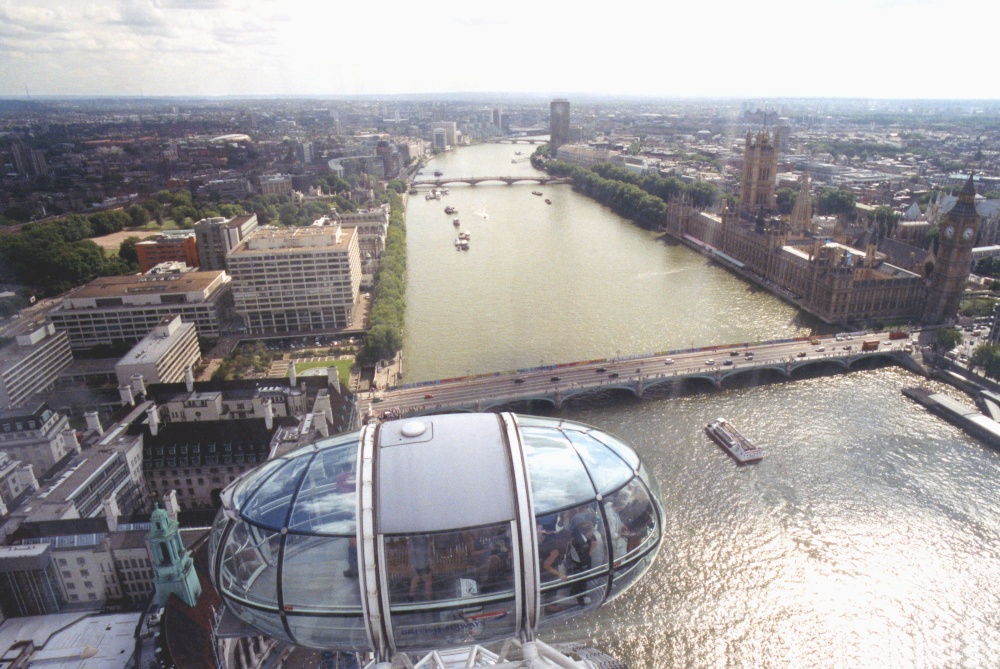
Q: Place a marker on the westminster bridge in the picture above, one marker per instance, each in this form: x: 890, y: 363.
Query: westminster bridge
x: 710, y: 367
x: 473, y: 181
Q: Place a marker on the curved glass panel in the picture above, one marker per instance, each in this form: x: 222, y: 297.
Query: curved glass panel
x: 468, y: 564
x: 328, y: 442
x: 343, y: 632
x: 320, y: 574
x: 607, y: 470
x: 564, y: 601
x: 218, y: 528
x: 624, y: 451
x: 460, y: 625
x: 269, y: 505
x: 632, y: 522
x: 327, y: 500
x: 252, y: 479
x: 624, y: 579
x: 558, y: 478
x: 572, y: 544
x: 266, y: 621
x: 249, y: 564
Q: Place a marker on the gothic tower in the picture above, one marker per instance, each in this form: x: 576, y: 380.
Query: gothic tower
x: 954, y: 258
x: 173, y: 568
x: 802, y: 212
x: 760, y: 171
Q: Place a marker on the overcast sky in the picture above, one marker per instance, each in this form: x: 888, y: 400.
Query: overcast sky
x: 763, y: 48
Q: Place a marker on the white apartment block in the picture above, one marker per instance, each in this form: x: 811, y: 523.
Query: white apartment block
x: 126, y: 308
x: 297, y: 279
x: 32, y: 363
x: 163, y: 355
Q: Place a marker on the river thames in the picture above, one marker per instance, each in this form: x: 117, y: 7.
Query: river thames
x: 869, y: 536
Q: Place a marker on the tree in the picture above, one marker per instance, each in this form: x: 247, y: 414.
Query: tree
x: 127, y: 252
x: 139, y: 215
x: 948, y: 338
x: 785, y: 198
x: 833, y: 201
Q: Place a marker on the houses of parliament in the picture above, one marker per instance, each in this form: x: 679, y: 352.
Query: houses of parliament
x: 840, y: 275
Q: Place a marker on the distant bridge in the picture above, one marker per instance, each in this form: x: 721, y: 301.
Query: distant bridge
x: 542, y: 179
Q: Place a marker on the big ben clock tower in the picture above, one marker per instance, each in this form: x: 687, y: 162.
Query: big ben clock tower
x: 954, y: 258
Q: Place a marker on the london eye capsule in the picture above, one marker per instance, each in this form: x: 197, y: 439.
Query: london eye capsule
x: 435, y: 531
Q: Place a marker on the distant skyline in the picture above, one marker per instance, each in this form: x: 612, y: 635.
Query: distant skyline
x: 929, y: 49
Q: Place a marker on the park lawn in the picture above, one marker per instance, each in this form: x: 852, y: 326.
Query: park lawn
x: 343, y: 368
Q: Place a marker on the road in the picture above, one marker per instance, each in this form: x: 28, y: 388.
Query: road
x: 636, y: 373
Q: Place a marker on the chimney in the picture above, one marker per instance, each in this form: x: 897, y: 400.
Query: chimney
x: 111, y: 512
x: 291, y: 375
x: 333, y: 378
x: 189, y: 379
x: 128, y: 399
x: 268, y: 415
x: 319, y: 420
x: 170, y: 504
x: 93, y: 422
x: 154, y: 420
x: 69, y: 440
x: 138, y: 384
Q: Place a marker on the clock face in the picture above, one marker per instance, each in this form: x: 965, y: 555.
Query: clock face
x: 949, y: 232
x: 967, y: 234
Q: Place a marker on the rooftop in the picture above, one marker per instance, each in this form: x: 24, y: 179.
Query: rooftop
x: 137, y: 284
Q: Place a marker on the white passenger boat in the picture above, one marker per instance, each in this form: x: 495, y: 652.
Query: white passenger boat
x: 733, y: 441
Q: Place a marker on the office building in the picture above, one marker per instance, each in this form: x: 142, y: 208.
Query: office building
x: 163, y: 356
x: 218, y: 236
x: 558, y: 122
x: 116, y: 309
x: 297, y: 279
x: 171, y: 246
x: 32, y: 363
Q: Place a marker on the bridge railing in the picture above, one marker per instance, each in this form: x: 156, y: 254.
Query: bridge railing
x: 637, y: 356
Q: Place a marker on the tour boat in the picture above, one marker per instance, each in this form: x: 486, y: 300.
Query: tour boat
x: 450, y: 210
x: 548, y: 201
x: 536, y: 192
x: 731, y: 439
x: 456, y: 222
x: 438, y: 173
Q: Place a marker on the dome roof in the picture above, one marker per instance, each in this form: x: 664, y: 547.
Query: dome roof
x: 418, y: 533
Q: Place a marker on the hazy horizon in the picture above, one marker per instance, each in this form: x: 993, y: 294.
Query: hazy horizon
x: 860, y: 49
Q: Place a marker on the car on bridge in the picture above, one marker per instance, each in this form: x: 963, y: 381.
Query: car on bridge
x: 519, y: 380
x: 668, y: 361
x: 710, y: 362
x: 728, y: 363
x: 601, y: 370
x: 802, y: 354
x: 613, y: 375
x: 428, y: 396
x: 554, y: 379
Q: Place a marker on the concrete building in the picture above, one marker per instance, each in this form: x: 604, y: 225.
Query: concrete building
x: 558, y: 122
x: 297, y: 279
x: 372, y: 226
x: 451, y: 134
x: 276, y: 184
x: 32, y: 363
x: 29, y: 584
x: 171, y: 246
x: 105, y: 480
x: 218, y: 236
x: 17, y: 482
x: 126, y: 308
x: 584, y: 156
x: 37, y: 436
x: 225, y: 189
x: 164, y: 355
